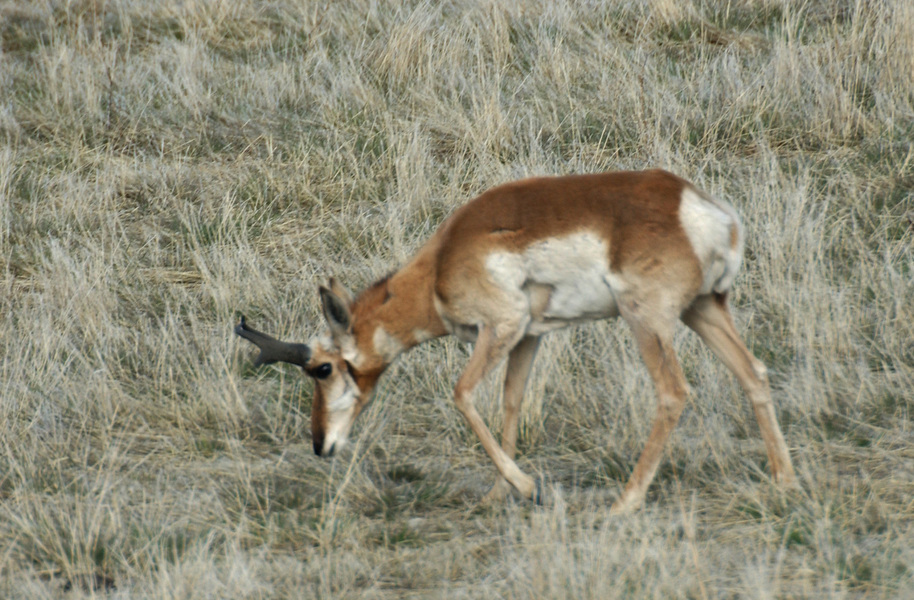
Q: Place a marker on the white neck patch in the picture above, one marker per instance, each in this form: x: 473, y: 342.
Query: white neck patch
x: 386, y: 345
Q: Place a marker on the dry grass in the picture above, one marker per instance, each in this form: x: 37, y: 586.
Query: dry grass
x: 166, y: 164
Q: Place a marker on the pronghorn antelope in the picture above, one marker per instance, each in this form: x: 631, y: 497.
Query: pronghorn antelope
x: 529, y: 257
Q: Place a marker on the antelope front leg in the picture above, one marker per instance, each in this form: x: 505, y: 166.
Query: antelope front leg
x: 520, y: 362
x: 490, y: 350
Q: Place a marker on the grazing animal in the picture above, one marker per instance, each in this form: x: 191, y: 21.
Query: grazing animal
x: 529, y: 257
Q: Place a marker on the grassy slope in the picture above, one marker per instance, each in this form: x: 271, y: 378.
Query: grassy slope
x: 166, y: 164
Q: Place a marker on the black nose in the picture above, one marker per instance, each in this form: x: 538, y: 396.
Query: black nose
x: 319, y: 448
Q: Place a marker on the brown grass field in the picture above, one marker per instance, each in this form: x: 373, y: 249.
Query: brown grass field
x: 168, y: 165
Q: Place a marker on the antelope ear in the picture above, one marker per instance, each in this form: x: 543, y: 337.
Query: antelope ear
x: 341, y: 291
x: 336, y: 311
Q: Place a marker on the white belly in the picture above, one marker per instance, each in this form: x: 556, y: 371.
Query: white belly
x: 566, y: 280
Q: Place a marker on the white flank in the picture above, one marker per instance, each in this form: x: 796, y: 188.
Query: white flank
x: 575, y: 267
x: 421, y: 335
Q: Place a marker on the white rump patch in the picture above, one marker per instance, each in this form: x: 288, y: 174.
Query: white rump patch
x: 709, y: 224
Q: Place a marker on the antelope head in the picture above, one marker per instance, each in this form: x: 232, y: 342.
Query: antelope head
x: 344, y: 376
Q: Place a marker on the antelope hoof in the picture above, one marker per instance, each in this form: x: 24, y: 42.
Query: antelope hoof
x: 787, y: 480
x: 626, y: 504
x: 538, y: 496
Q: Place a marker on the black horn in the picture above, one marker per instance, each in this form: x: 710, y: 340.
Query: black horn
x: 273, y: 350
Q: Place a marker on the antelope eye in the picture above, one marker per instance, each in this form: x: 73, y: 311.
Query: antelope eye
x: 323, y: 371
